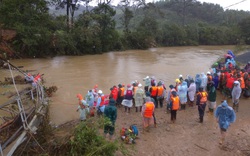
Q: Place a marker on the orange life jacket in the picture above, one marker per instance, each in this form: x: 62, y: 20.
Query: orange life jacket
x: 134, y: 89
x: 203, y: 97
x: 153, y: 91
x: 242, y: 83
x: 175, y: 103
x: 149, y: 109
x: 102, y: 100
x: 210, y: 77
x: 122, y: 91
x: 160, y: 90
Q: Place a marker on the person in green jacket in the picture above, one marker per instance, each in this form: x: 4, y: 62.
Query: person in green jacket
x: 211, y: 97
x: 110, y: 112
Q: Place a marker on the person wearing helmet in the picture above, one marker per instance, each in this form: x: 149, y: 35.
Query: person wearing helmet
x: 236, y: 92
x: 147, y: 83
x: 100, y: 102
x: 127, y: 101
x: 82, y: 107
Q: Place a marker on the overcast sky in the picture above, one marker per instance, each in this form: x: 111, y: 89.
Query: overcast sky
x: 242, y: 4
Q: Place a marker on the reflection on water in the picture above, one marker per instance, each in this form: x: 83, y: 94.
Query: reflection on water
x: 77, y: 74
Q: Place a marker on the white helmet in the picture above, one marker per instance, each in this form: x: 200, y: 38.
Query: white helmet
x: 139, y: 85
x: 99, y: 91
x: 180, y: 76
x: 208, y: 72
x: 236, y: 82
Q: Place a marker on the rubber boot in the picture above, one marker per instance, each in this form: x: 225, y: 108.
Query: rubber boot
x: 128, y: 110
x: 140, y: 108
x: 136, y: 109
x: 125, y: 109
x: 184, y: 107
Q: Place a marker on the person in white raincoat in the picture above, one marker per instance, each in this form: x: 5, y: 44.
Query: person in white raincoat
x: 82, y: 108
x: 191, y: 92
x: 139, y: 97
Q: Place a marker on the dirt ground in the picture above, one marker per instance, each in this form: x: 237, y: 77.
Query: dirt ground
x: 187, y: 136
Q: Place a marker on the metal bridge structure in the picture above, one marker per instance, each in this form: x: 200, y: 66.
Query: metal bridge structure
x: 24, y: 112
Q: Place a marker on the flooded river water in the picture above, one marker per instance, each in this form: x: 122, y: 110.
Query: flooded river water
x: 78, y: 74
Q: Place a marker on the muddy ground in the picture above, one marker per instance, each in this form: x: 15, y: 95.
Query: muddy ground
x: 187, y: 136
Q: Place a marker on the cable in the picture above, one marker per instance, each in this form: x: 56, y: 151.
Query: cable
x: 234, y: 4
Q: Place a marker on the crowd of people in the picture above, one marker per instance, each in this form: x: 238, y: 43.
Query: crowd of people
x: 224, y: 76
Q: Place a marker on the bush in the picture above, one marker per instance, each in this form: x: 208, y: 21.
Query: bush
x: 88, y: 141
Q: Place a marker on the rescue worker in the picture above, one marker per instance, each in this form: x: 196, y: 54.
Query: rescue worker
x: 242, y: 82
x: 120, y: 96
x: 209, y: 76
x: 160, y: 94
x: 211, y: 97
x: 236, y: 92
x: 229, y: 85
x: 147, y: 113
x: 175, y: 105
x: 168, y: 99
x: 139, y: 96
x: 110, y: 112
x: 191, y: 92
x: 128, y: 96
x: 153, y: 93
x: 152, y: 100
x: 82, y: 107
x: 225, y: 115
x: 201, y: 103
x: 114, y: 93
x: 100, y: 103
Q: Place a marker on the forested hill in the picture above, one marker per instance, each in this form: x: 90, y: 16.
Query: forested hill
x: 183, y: 13
x: 42, y: 30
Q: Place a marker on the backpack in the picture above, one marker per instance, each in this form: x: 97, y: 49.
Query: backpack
x: 134, y: 130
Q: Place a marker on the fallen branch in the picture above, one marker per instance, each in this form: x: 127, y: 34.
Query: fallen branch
x: 201, y: 147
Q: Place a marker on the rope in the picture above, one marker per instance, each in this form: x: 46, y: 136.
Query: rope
x: 235, y: 4
x: 19, y: 104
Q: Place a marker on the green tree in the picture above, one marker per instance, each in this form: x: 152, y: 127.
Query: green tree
x: 245, y: 31
x: 32, y: 22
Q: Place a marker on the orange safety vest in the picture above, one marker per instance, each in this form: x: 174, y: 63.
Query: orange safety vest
x: 175, y: 103
x: 134, y: 89
x: 149, y: 109
x: 242, y: 83
x: 210, y: 77
x: 122, y: 91
x: 203, y: 97
x: 102, y: 100
x: 160, y: 90
x: 153, y: 91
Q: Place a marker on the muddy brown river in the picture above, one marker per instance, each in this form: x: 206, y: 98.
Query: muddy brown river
x: 78, y: 74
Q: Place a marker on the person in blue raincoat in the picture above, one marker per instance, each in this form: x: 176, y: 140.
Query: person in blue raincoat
x: 182, y: 92
x: 225, y: 115
x: 203, y: 81
x: 197, y: 82
x: 90, y: 98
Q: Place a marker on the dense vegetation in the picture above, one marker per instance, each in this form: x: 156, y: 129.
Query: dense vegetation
x: 133, y: 24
